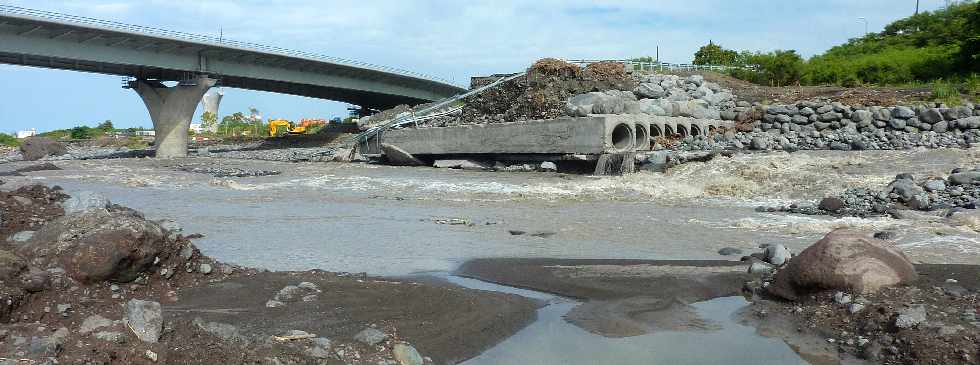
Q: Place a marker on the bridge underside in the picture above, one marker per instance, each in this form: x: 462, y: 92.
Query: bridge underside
x: 365, y: 99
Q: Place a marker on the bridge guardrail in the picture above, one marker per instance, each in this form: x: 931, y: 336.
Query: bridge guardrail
x: 204, y: 39
x: 663, y: 66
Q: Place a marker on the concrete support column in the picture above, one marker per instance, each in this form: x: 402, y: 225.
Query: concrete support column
x: 171, y: 110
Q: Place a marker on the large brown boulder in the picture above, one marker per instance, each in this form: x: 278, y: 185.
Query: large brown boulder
x: 36, y: 148
x: 97, y: 245
x: 845, y: 259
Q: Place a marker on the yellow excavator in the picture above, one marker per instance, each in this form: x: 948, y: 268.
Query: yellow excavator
x: 279, y: 127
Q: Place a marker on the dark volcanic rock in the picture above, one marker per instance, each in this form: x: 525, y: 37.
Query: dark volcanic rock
x: 36, y: 148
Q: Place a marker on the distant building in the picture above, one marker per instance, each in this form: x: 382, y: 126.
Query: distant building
x: 150, y: 133
x: 197, y: 128
x: 28, y: 133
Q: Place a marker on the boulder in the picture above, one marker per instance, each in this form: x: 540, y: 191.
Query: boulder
x: 36, y: 148
x: 968, y: 123
x: 145, y: 319
x: 370, y: 336
x: 831, y: 204
x: 777, y: 254
x: 965, y: 178
x: 931, y: 116
x: 846, y: 259
x: 398, y: 157
x: 652, y: 107
x: 461, y: 164
x: 650, y: 90
x: 83, y: 201
x: 405, y: 354
x: 902, y: 112
x: 594, y: 103
x: 862, y: 116
x: 97, y: 245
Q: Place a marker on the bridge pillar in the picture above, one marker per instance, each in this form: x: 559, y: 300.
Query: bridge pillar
x: 171, y: 110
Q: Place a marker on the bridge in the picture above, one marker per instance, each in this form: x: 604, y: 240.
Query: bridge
x: 151, y: 56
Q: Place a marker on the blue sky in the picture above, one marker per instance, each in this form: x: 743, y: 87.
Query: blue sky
x: 450, y: 39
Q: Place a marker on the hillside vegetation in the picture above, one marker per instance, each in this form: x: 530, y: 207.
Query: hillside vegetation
x: 925, y: 48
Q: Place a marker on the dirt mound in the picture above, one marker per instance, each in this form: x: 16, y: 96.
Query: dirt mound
x: 28, y: 208
x: 543, y: 91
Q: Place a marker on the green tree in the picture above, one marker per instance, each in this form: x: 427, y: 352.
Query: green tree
x: 713, y: 54
x: 106, y: 126
x: 80, y: 132
x: 9, y: 140
x: 209, y: 121
x: 969, y: 55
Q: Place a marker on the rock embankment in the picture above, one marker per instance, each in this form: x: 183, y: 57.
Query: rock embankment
x: 960, y: 189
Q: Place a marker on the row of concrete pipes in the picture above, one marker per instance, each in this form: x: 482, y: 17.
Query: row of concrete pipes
x: 640, y: 134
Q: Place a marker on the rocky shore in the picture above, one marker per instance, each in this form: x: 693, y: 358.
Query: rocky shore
x: 87, y: 281
x: 956, y: 195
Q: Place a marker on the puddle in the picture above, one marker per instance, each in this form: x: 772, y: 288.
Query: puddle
x: 552, y: 340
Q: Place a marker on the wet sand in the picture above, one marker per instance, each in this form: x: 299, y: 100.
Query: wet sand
x: 621, y: 298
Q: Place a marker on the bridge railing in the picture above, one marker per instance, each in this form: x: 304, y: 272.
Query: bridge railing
x: 20, y: 12
x: 663, y: 66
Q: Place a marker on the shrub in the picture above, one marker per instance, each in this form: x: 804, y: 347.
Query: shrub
x: 9, y: 140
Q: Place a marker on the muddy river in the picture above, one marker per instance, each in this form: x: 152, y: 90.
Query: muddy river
x: 401, y: 221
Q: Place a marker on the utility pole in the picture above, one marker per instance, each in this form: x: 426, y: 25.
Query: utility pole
x: 916, y: 7
x: 865, y: 20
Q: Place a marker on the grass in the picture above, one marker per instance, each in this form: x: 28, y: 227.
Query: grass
x: 9, y: 140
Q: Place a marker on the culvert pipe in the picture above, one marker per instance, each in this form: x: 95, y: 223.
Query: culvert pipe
x: 642, y: 131
x: 622, y: 137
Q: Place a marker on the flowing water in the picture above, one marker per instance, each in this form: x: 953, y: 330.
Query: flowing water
x: 398, y: 221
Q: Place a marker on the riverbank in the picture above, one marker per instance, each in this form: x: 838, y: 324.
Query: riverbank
x: 150, y: 296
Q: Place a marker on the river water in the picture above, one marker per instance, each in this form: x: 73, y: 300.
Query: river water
x: 398, y: 221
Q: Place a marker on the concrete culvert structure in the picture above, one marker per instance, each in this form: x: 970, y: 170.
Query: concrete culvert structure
x: 682, y: 131
x: 622, y: 137
x: 642, y: 136
x: 696, y: 130
x: 655, y: 131
x: 668, y: 130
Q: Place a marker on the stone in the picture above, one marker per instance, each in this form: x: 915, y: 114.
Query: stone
x: 405, y: 354
x: 36, y: 148
x: 911, y: 316
x: 862, y: 116
x: 831, y: 204
x: 931, y: 116
x: 152, y: 356
x: 842, y: 298
x: 548, y: 166
x: 64, y: 309
x: 935, y: 185
x: 321, y: 348
x: 92, y: 323
x: 594, y: 103
x: 461, y: 165
x: 84, y: 201
x: 204, y: 269
x: 11, y: 265
x: 98, y: 245
x: 20, y: 237
x: 759, y: 267
x: 653, y: 107
x: 968, y: 123
x: 902, y: 112
x: 145, y: 319
x: 855, y: 308
x: 650, y: 90
x: 941, y: 127
x: 49, y: 346
x: 777, y: 254
x: 965, y: 178
x: 897, y: 124
x: 398, y: 157
x: 274, y: 304
x: 845, y: 259
x: 729, y: 251
x: 759, y: 144
x: 370, y: 336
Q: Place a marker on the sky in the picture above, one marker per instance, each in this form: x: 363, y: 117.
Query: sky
x: 449, y: 39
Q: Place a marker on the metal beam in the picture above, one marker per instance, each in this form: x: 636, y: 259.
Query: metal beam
x: 36, y: 28
x: 62, y: 34
x: 117, y: 43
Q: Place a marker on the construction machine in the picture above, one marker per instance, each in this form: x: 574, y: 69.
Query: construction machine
x: 278, y: 127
